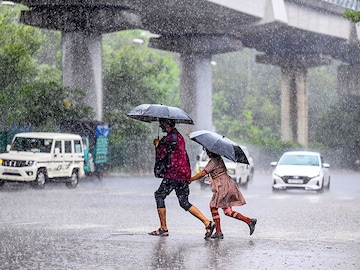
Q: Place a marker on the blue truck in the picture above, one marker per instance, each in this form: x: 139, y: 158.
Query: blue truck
x: 95, y: 136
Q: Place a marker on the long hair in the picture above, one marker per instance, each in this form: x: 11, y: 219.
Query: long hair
x: 211, y: 154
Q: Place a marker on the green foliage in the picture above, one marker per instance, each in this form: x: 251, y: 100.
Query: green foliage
x: 134, y: 74
x: 48, y: 57
x: 352, y: 15
x: 323, y: 93
x: 18, y: 45
x: 245, y: 99
x: 339, y: 127
x: 41, y: 106
x: 29, y: 64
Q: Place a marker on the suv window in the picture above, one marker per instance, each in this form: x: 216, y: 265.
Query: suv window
x: 68, y: 147
x: 58, y: 145
x: 32, y: 145
x: 78, y: 148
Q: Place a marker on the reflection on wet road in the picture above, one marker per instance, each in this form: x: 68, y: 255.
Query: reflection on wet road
x: 104, y: 225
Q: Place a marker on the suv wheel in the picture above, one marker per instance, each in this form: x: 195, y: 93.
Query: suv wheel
x: 40, y: 179
x: 99, y: 175
x: 73, y: 180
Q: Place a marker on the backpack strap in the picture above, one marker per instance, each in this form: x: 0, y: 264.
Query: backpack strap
x: 172, y: 143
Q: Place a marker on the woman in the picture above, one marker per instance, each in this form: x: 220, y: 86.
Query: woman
x: 225, y: 193
x: 175, y: 178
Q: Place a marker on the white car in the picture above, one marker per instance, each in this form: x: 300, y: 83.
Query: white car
x: 40, y: 157
x: 300, y: 170
x: 241, y: 173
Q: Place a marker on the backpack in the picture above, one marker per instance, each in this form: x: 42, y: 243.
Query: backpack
x: 161, y: 164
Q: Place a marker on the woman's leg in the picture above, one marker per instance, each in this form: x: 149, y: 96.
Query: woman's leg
x: 182, y: 192
x: 160, y: 194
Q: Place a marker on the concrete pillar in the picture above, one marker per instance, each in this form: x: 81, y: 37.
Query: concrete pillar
x: 196, y: 89
x: 196, y: 74
x: 287, y: 130
x: 294, y: 96
x: 294, y: 105
x: 302, y: 107
x: 82, y: 66
x: 81, y: 26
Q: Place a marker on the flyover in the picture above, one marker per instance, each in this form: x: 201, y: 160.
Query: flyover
x: 292, y: 34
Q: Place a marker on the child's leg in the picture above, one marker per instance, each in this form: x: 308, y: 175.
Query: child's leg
x: 230, y: 213
x: 251, y: 222
x: 216, y: 218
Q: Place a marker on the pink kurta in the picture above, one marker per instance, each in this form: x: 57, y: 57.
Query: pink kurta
x: 225, y: 191
x: 179, y: 166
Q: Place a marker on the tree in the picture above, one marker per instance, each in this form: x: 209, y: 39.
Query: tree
x: 245, y: 100
x: 135, y: 74
x: 352, y: 15
x: 18, y: 45
x: 43, y: 105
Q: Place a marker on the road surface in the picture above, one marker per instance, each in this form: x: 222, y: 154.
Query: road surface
x: 104, y: 225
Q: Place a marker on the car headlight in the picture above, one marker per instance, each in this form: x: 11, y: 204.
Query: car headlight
x: 314, y: 176
x: 1, y: 161
x: 30, y: 163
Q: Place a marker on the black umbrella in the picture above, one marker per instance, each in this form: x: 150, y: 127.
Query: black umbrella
x: 154, y: 112
x: 220, y: 145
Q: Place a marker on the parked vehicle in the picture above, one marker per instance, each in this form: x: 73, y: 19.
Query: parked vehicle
x: 40, y: 157
x: 95, y: 136
x: 241, y: 173
x: 300, y: 170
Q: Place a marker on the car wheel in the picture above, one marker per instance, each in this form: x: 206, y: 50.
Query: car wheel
x: 322, y: 187
x: 252, y: 174
x: 74, y: 179
x: 40, y: 179
x: 275, y: 190
x: 1, y: 183
x: 328, y: 185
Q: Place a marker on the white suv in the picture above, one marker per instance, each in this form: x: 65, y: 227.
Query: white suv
x: 241, y: 173
x: 39, y: 157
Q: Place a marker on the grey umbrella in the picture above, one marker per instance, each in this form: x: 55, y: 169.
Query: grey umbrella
x: 220, y: 145
x: 154, y: 112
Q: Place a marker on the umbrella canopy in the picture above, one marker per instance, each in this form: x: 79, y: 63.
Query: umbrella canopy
x: 220, y: 145
x: 154, y: 112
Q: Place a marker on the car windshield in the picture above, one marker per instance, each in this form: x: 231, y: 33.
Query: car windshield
x: 31, y: 145
x: 305, y: 160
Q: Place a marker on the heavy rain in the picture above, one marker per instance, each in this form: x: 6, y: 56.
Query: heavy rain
x: 273, y: 76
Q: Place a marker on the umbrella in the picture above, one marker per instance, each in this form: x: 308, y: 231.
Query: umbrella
x: 154, y: 112
x: 220, y: 145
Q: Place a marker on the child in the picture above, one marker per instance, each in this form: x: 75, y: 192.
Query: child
x: 225, y: 193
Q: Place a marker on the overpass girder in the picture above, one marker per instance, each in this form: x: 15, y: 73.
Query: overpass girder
x: 197, y: 44
x: 79, y: 18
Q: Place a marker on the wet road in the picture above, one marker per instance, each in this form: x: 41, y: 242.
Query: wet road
x: 104, y: 225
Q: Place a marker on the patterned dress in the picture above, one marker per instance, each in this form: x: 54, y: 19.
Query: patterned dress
x: 225, y: 191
